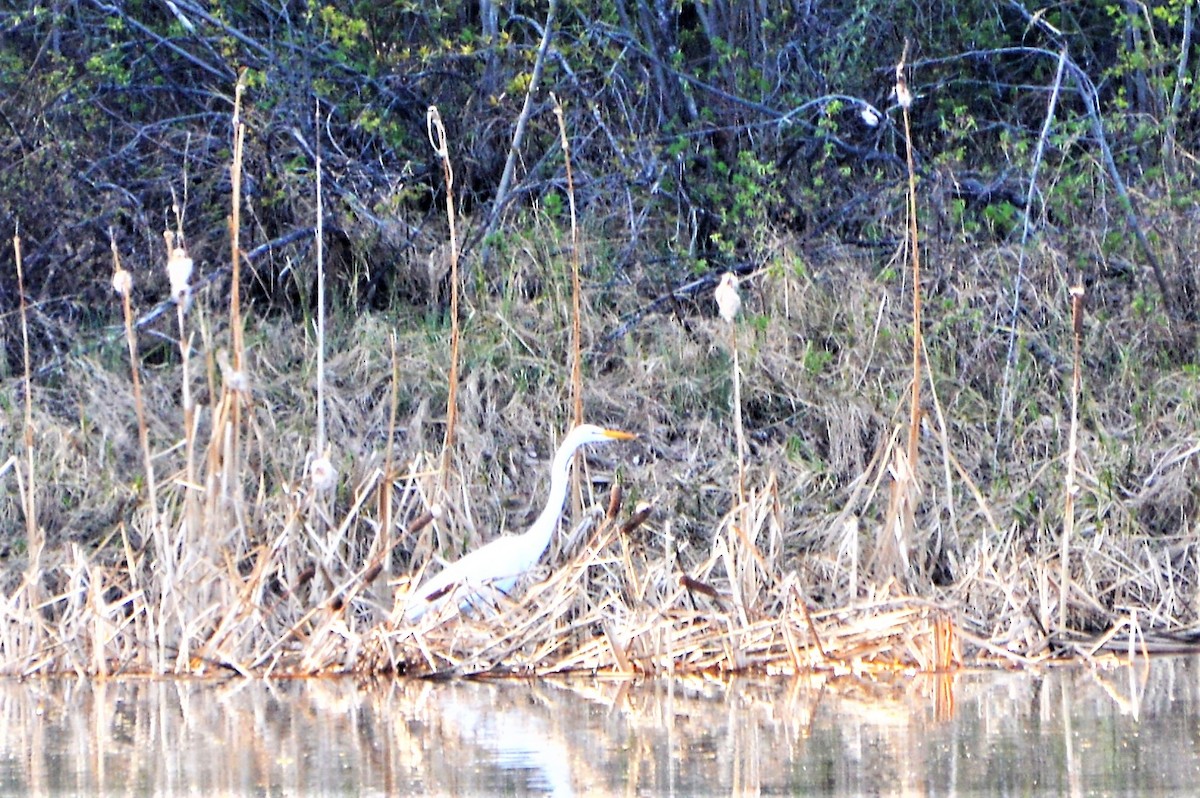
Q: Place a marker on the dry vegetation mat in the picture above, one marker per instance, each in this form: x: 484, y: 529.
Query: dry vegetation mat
x: 260, y: 557
x: 844, y: 461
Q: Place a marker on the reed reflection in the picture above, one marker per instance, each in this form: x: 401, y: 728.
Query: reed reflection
x: 1122, y: 731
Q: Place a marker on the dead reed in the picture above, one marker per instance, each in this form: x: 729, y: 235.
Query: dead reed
x: 437, y: 139
x: 576, y: 305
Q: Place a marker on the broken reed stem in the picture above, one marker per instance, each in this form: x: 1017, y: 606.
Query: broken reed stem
x: 1072, y: 451
x: 179, y: 275
x: 437, y: 138
x: 33, y: 532
x: 904, y: 98
x: 576, y: 313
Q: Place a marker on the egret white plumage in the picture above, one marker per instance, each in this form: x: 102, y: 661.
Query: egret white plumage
x: 481, y: 576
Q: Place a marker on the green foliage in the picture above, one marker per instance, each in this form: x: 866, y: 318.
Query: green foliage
x: 747, y: 197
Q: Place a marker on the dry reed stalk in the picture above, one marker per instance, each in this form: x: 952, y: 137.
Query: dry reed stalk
x: 34, y: 536
x: 382, y: 547
x: 576, y: 311
x: 729, y: 303
x: 905, y: 486
x: 1072, y: 453
x: 235, y: 225
x: 322, y: 473
x: 164, y: 583
x: 437, y: 139
x: 576, y: 288
x: 225, y: 448
x: 123, y: 284
x: 904, y: 99
x: 179, y: 274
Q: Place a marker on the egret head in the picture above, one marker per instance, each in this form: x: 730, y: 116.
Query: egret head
x: 590, y: 433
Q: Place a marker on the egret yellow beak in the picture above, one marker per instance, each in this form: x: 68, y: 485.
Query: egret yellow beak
x: 618, y: 435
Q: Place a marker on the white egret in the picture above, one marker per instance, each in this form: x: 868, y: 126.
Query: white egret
x: 481, y: 576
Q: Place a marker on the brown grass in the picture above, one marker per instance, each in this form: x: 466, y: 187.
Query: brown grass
x: 682, y: 591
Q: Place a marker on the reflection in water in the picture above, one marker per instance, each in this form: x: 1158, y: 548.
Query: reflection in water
x: 1118, y: 732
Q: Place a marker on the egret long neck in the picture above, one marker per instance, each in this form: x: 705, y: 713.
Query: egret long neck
x: 546, y: 524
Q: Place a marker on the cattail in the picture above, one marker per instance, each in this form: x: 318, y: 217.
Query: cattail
x: 305, y: 576
x: 640, y: 514
x: 235, y: 380
x: 728, y: 300
x: 179, y: 272
x: 122, y: 282
x: 322, y: 475
x: 696, y: 586
x: 425, y: 519
x: 614, y: 501
x: 904, y: 97
x: 1077, y: 293
x: 372, y: 573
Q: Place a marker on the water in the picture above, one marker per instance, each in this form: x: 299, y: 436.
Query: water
x: 1079, y: 731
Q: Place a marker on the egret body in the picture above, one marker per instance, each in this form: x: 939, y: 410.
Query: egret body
x: 480, y: 576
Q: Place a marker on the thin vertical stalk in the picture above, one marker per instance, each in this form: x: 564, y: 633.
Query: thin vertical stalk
x: 904, y: 98
x: 34, y: 538
x: 437, y: 138
x: 191, y: 522
x: 319, y: 449
x: 1072, y: 452
x: 576, y: 311
x: 235, y: 224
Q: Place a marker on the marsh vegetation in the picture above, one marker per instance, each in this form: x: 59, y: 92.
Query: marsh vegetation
x: 951, y: 418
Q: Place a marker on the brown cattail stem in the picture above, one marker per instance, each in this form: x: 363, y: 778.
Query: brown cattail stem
x: 1077, y: 294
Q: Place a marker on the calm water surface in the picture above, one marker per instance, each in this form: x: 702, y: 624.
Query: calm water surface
x: 1119, y: 731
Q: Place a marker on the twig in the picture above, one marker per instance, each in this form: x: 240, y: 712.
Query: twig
x: 1010, y: 358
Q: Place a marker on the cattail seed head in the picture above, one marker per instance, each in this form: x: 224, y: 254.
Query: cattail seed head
x: 1077, y: 294
x: 235, y: 380
x: 322, y: 474
x: 122, y: 282
x: 728, y: 300
x: 614, y: 501
x: 904, y: 97
x: 179, y: 272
